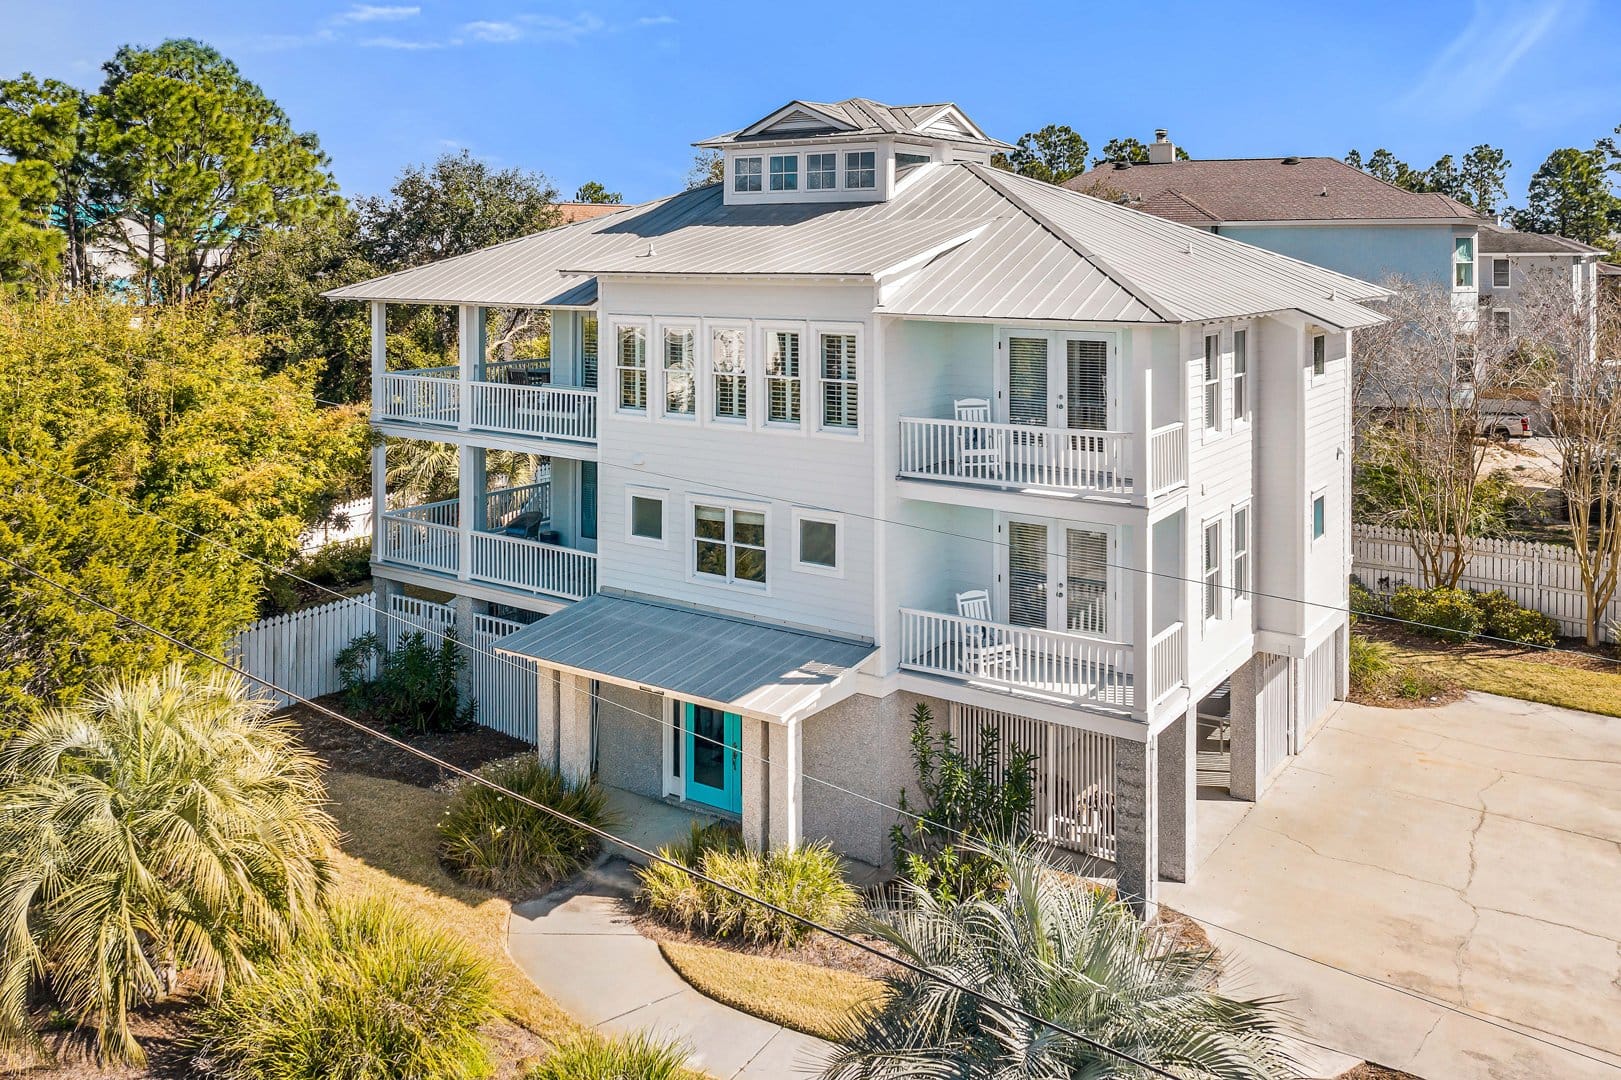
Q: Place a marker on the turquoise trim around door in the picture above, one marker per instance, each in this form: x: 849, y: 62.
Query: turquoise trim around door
x: 713, y: 751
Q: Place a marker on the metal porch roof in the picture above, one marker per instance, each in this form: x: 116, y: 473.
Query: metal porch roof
x: 730, y: 663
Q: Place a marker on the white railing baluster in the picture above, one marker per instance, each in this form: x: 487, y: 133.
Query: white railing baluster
x: 553, y: 412
x: 1015, y: 455
x: 536, y: 567
x: 425, y: 396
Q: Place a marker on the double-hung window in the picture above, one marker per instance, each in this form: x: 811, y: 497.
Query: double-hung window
x: 782, y: 378
x: 821, y: 172
x: 1212, y: 382
x: 1463, y: 262
x: 746, y: 174
x: 861, y: 169
x: 1241, y: 381
x: 1241, y: 553
x: 729, y: 366
x: 840, y: 389
x: 632, y: 360
x: 785, y: 172
x: 588, y: 351
x: 1212, y: 570
x: 1319, y: 355
x: 728, y: 544
x: 1500, y: 278
x: 680, y: 389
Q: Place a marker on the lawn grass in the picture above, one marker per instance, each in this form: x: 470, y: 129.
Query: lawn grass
x: 804, y: 997
x: 390, y: 851
x: 1525, y: 677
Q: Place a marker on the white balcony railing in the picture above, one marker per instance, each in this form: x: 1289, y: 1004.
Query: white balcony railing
x: 1016, y: 455
x: 428, y: 396
x: 504, y: 504
x: 1168, y: 458
x: 427, y: 537
x: 420, y: 543
x: 553, y: 412
x: 526, y: 564
x: 1046, y: 663
x: 1166, y: 662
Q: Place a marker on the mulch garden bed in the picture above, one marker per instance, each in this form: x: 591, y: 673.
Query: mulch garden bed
x: 1569, y: 652
x: 342, y: 747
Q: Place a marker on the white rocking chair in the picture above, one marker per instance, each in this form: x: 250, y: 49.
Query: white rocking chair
x: 978, y: 449
x: 986, y: 650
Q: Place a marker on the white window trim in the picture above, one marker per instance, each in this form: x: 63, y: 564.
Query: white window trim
x: 1248, y: 330
x: 1249, y: 553
x: 837, y: 158
x: 656, y: 376
x: 863, y: 391
x: 1219, y: 609
x: 837, y: 521
x: 615, y: 324
x: 1311, y: 516
x: 760, y: 159
x: 753, y: 369
x: 635, y: 491
x: 690, y: 538
x: 1311, y: 357
x: 878, y: 160
x: 1219, y: 428
x: 791, y: 156
x: 1471, y: 262
x: 764, y: 328
x: 1508, y: 273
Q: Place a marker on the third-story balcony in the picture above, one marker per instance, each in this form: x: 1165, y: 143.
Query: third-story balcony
x: 512, y: 398
x: 515, y: 548
x: 1059, y: 460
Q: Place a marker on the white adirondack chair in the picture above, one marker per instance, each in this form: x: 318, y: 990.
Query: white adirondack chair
x: 978, y: 449
x: 986, y: 649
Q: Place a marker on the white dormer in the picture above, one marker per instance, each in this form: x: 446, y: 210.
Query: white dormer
x: 849, y: 151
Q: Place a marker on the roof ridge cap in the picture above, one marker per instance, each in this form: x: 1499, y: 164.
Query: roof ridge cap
x: 1137, y: 292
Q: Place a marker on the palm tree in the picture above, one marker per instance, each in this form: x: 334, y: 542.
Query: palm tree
x: 162, y: 824
x: 1061, y: 950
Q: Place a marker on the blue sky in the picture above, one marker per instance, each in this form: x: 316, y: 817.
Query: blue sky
x: 615, y: 90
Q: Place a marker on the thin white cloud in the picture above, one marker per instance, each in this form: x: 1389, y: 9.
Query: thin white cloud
x: 655, y: 20
x: 493, y: 31
x: 408, y: 44
x: 368, y: 13
x: 557, y: 28
x: 1462, y: 76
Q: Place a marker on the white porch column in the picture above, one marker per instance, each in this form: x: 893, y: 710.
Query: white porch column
x: 379, y: 497
x: 1138, y: 583
x: 1136, y: 823
x: 469, y: 360
x: 379, y: 451
x: 784, y: 784
x: 573, y: 726
x: 379, y: 355
x: 1178, y: 796
x: 1138, y: 376
x: 469, y: 496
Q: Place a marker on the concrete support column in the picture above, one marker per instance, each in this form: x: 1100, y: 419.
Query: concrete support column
x: 465, y: 608
x: 574, y: 726
x: 784, y: 784
x: 383, y: 590
x: 1244, y: 738
x: 1136, y: 823
x: 1178, y: 796
x: 756, y: 781
x: 546, y: 716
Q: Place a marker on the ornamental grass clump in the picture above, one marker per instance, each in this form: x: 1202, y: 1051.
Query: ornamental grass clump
x: 497, y: 842
x: 160, y: 826
x: 628, y: 1057
x: 806, y: 880
x: 375, y: 995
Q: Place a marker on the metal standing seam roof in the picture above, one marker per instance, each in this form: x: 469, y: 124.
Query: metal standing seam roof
x: 990, y: 245
x: 863, y: 116
x: 729, y: 663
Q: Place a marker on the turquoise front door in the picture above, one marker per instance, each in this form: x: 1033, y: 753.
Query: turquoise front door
x: 713, y: 745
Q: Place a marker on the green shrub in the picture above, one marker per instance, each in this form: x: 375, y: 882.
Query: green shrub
x: 1502, y: 618
x: 1448, y: 614
x: 338, y: 567
x: 629, y: 1057
x: 415, y: 688
x: 806, y: 880
x: 1371, y: 666
x: 1364, y: 601
x: 499, y: 843
x: 377, y: 996
x: 977, y: 796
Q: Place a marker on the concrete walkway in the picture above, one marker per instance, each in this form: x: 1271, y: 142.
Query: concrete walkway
x: 579, y: 946
x: 1466, y: 853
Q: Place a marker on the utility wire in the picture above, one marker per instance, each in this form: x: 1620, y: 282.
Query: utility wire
x: 603, y: 834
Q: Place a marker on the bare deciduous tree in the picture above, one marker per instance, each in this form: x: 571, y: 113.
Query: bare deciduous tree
x: 1421, y: 383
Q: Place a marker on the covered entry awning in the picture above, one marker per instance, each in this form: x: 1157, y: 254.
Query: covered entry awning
x: 736, y: 665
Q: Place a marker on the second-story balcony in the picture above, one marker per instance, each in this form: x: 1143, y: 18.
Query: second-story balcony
x: 511, y: 398
x: 515, y: 548
x: 1065, y: 461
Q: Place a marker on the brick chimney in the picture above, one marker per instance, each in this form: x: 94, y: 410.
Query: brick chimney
x: 1162, y: 151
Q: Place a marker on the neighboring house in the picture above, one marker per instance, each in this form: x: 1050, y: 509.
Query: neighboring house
x: 873, y: 423
x: 1318, y: 209
x: 570, y: 212
x: 1509, y: 259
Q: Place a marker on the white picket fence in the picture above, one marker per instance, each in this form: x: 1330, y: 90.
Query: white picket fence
x: 1543, y: 577
x: 348, y: 521
x: 298, y: 651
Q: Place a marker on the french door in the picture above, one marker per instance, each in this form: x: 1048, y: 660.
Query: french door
x: 1057, y: 576
x: 1058, y: 380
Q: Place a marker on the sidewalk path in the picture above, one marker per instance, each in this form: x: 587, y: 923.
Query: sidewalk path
x: 578, y: 944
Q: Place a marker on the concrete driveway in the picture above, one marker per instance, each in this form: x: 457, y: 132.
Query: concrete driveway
x: 1469, y: 853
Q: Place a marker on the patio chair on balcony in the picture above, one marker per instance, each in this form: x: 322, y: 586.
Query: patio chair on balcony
x: 987, y: 650
x: 978, y: 449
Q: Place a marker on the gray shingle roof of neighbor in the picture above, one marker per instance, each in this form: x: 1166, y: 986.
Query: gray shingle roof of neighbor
x: 958, y: 240
x: 1496, y: 240
x: 1267, y: 189
x: 732, y: 663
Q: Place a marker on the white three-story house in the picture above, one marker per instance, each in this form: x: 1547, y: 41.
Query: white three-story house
x: 873, y: 422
